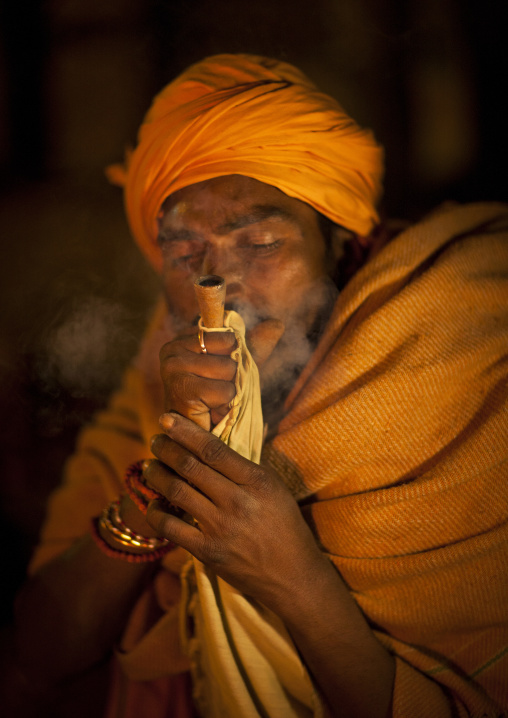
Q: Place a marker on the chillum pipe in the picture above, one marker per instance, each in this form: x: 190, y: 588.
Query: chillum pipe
x: 211, y: 295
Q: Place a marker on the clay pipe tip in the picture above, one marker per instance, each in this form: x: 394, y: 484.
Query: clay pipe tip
x: 211, y: 295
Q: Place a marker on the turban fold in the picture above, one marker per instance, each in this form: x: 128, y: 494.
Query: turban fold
x: 252, y: 116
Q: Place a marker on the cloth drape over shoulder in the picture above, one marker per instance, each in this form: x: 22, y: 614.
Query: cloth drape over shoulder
x: 258, y: 117
x: 398, y: 431
x: 395, y: 441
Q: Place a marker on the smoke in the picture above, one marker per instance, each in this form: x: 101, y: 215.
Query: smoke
x: 294, y: 349
x: 80, y: 359
x: 84, y: 352
x: 282, y: 369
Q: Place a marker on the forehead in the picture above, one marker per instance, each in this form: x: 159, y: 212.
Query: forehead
x: 219, y: 201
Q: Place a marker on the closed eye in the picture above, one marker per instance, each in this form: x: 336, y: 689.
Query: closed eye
x: 259, y: 247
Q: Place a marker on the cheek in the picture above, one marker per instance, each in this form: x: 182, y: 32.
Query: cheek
x: 278, y: 287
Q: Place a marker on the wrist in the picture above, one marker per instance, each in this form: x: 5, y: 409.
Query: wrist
x: 304, y: 591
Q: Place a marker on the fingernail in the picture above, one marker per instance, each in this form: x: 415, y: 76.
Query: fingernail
x: 166, y: 421
x: 146, y: 463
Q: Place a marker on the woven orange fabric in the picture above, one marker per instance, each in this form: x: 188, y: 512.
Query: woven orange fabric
x: 248, y: 115
x: 398, y: 430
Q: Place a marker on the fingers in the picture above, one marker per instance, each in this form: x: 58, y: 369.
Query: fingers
x: 217, y: 343
x: 178, y: 491
x: 209, y: 449
x: 173, y: 528
x: 195, y: 397
x: 201, y: 386
x: 196, y: 384
x: 263, y: 338
x: 208, y: 366
x: 198, y: 392
x: 213, y: 485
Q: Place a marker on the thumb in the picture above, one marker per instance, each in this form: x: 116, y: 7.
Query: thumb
x: 262, y: 339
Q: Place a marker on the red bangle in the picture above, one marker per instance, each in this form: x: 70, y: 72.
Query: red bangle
x: 136, y: 488
x: 126, y: 555
x: 141, y: 494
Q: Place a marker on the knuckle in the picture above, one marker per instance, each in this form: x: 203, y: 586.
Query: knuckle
x: 242, y: 505
x: 214, y: 552
x: 260, y: 478
x: 180, y: 386
x: 164, y: 351
x: 157, y: 518
x: 213, y: 451
x: 177, y: 490
x: 167, y: 368
x: 169, y: 350
x: 173, y: 352
x: 186, y: 465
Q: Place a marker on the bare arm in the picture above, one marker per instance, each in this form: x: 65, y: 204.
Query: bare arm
x: 353, y: 670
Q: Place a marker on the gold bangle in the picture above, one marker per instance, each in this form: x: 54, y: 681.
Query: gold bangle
x: 111, y: 521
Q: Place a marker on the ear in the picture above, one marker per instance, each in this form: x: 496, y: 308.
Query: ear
x: 348, y: 251
x: 339, y: 236
x: 363, y: 243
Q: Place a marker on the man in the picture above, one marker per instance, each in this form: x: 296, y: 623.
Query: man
x: 360, y: 568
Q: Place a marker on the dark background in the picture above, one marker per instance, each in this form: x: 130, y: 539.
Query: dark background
x: 76, y: 76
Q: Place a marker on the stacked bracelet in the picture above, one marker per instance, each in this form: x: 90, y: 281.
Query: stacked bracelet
x: 111, y: 521
x: 126, y: 555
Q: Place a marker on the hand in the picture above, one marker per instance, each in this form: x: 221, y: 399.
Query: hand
x: 201, y: 386
x: 249, y: 529
x: 251, y: 533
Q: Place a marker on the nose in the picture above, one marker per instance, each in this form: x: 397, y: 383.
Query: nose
x: 224, y: 262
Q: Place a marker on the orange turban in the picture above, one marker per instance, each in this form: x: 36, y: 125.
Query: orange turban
x: 249, y: 115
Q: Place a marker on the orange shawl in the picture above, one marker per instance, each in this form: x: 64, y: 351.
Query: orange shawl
x: 396, y: 443
x: 398, y: 430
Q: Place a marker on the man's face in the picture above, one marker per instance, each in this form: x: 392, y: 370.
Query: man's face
x: 268, y: 247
